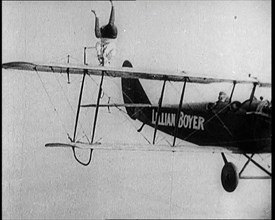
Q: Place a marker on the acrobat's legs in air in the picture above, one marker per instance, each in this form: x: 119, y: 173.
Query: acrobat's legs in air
x: 107, y: 34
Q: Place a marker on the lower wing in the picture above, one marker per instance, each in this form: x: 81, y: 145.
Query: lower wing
x: 146, y: 147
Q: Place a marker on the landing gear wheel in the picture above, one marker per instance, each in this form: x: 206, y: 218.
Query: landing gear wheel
x: 229, y: 177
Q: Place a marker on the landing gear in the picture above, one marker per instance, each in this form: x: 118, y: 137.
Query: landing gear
x: 229, y: 176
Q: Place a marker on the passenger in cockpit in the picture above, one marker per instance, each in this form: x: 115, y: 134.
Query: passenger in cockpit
x: 263, y: 106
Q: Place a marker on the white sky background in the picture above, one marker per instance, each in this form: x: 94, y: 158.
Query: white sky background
x: 202, y: 36
x: 196, y: 36
x: 220, y: 38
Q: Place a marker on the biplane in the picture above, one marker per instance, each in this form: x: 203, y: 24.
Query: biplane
x: 240, y: 128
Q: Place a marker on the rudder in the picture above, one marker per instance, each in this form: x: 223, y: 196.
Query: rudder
x: 133, y: 92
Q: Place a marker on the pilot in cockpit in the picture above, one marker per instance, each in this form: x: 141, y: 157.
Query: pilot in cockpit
x: 222, y: 101
x: 223, y: 97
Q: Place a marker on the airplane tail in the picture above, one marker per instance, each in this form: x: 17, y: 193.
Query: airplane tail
x: 133, y: 93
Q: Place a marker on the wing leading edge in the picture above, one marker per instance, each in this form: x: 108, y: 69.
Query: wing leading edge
x: 126, y: 72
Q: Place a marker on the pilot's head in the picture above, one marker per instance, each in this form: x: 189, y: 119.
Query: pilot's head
x: 222, y: 96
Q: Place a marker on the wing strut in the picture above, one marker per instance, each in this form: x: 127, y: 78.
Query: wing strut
x: 252, y: 94
x: 68, y: 72
x: 79, y: 103
x: 178, y: 113
x: 159, y: 109
x: 231, y: 95
x: 76, y: 122
x: 97, y: 106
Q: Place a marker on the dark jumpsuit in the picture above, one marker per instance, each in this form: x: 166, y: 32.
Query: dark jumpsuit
x: 109, y: 30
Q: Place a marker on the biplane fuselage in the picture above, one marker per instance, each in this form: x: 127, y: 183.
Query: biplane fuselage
x: 238, y: 127
x: 242, y: 127
x: 203, y: 126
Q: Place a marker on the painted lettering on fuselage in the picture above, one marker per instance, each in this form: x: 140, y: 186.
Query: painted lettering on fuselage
x: 185, y: 120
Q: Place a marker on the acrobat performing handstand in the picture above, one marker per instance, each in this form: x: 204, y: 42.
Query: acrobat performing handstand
x: 106, y: 47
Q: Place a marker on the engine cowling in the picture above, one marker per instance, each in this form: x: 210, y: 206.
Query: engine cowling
x: 229, y: 177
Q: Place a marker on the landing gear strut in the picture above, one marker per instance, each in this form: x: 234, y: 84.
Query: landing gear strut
x: 229, y: 176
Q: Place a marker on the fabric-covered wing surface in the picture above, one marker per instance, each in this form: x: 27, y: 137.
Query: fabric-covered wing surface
x: 147, y: 147
x: 125, y: 72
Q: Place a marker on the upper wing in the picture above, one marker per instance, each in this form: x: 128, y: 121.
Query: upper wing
x: 125, y: 72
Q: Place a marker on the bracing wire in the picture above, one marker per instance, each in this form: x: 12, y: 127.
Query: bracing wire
x: 68, y: 101
x: 91, y: 150
x: 163, y: 137
x: 104, y: 93
x: 210, y: 119
x: 215, y: 115
x: 188, y: 104
x: 121, y: 110
x: 63, y: 56
x: 52, y: 103
x: 71, y: 107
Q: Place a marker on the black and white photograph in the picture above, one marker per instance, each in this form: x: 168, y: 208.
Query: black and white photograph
x: 136, y: 109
